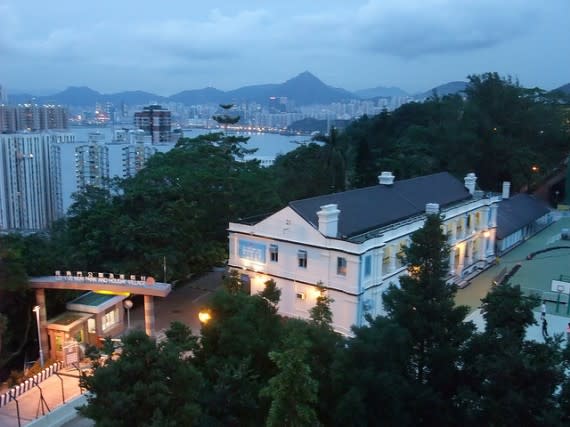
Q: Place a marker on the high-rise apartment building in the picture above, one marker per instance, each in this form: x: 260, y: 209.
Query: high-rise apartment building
x: 135, y: 157
x: 3, y: 95
x: 92, y: 163
x: 32, y: 118
x: 30, y: 180
x: 155, y: 121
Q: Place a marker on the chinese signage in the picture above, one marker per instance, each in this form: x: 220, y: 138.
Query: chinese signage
x: 109, y: 278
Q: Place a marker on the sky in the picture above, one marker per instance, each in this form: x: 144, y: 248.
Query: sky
x: 168, y: 46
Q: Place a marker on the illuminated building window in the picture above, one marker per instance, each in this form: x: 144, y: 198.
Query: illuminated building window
x: 274, y: 253
x: 302, y: 259
x: 341, y: 266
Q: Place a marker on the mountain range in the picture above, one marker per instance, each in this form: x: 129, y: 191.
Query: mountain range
x: 303, y: 89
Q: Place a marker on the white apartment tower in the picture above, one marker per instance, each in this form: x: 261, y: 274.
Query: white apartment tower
x: 30, y: 180
x: 135, y: 157
x: 92, y: 162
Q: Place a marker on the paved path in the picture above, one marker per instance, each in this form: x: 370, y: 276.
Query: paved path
x: 30, y: 403
x: 535, y: 274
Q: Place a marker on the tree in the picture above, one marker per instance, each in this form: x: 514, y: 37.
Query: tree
x: 334, y: 159
x: 148, y: 385
x: 424, y: 307
x: 271, y: 292
x: 233, y: 358
x: 371, y: 379
x: 293, y: 391
x: 321, y: 313
x: 509, y: 380
x: 225, y: 118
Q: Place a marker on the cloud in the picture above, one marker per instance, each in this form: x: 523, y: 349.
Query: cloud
x: 411, y: 29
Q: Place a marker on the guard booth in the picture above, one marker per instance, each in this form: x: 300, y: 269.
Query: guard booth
x: 89, y: 319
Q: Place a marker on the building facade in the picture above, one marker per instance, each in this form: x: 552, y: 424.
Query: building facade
x: 156, y: 122
x: 350, y: 243
x: 135, y: 157
x: 30, y: 180
x: 519, y: 217
x: 92, y: 163
x: 32, y: 118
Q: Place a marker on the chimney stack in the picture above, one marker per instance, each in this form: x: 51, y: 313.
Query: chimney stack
x: 470, y: 180
x: 432, y: 208
x: 386, y: 178
x: 328, y: 220
x: 506, y: 190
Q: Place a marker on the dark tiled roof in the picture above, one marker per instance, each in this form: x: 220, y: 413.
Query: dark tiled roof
x: 370, y: 208
x: 518, y: 211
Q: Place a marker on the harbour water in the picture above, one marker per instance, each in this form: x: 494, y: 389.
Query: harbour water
x: 268, y: 147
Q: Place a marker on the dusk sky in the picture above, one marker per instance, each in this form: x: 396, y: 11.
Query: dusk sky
x: 168, y: 46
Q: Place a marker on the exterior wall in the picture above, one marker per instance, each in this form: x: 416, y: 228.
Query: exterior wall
x: 371, y: 264
x: 514, y: 239
x: 30, y: 180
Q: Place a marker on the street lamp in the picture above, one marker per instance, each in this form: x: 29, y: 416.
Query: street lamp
x: 128, y: 304
x: 204, y: 316
x: 36, y: 310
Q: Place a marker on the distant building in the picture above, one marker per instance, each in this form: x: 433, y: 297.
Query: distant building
x: 350, y: 243
x: 519, y: 217
x: 3, y: 95
x: 32, y: 118
x: 155, y: 121
x: 92, y: 162
x: 135, y: 156
x: 30, y: 180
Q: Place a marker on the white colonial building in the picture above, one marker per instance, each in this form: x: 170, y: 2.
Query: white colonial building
x: 348, y: 243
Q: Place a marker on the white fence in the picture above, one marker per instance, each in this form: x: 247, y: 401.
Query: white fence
x: 23, y: 387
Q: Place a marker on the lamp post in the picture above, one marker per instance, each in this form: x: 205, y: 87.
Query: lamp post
x: 36, y: 310
x: 204, y: 316
x: 128, y: 304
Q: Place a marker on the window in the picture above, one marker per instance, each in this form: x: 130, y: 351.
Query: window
x: 302, y: 259
x: 274, y: 253
x: 341, y: 266
x: 367, y: 265
x: 110, y: 319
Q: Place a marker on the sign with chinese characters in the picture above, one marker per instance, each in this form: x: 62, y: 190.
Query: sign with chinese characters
x: 109, y: 278
x: 252, y: 251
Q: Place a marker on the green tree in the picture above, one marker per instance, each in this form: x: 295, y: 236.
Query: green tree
x: 334, y: 159
x: 424, y: 306
x: 233, y: 358
x: 147, y: 385
x: 371, y: 378
x: 293, y: 391
x: 300, y: 173
x: 225, y: 119
x: 321, y: 313
x: 271, y: 292
x: 510, y: 380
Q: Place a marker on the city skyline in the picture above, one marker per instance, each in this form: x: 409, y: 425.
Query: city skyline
x: 414, y: 45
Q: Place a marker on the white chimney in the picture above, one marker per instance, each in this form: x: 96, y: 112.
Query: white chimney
x: 386, y: 178
x: 506, y: 190
x: 432, y: 208
x: 470, y: 180
x: 328, y: 220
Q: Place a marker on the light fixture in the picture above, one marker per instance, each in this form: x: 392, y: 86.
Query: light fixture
x: 36, y: 310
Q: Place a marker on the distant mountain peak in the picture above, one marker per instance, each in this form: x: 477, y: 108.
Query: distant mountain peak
x: 305, y: 77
